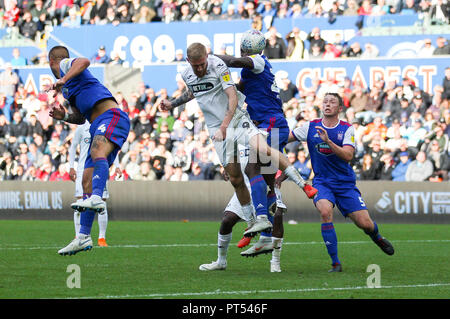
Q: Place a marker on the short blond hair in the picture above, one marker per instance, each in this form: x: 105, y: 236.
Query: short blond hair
x: 196, y: 51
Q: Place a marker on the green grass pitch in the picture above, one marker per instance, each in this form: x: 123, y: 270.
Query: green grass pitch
x: 161, y: 260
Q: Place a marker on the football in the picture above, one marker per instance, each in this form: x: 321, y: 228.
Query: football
x: 252, y: 42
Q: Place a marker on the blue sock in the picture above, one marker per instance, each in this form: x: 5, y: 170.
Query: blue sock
x: 374, y: 235
x: 86, y: 219
x: 259, y: 194
x: 271, y: 198
x: 100, y: 176
x: 330, y: 240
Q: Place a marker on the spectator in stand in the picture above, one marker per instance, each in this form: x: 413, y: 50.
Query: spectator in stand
x: 365, y: 9
x: 331, y: 52
x: 446, y: 84
x: 420, y: 169
x: 27, y: 27
x: 145, y: 173
x: 73, y: 20
x: 231, y: 13
x: 440, y: 12
x: 142, y: 124
x: 11, y: 13
x: 123, y: 15
x: 369, y: 171
x: 415, y: 134
x: 303, y: 165
x: 316, y: 53
x: 196, y: 173
x: 427, y: 50
x: 59, y: 9
x: 296, y: 46
x: 354, y: 51
x: 399, y: 171
x: 381, y: 8
x: 98, y: 12
x: 358, y: 99
x: 315, y: 38
x: 8, y: 83
x: 45, y: 169
x: 61, y: 174
x: 275, y: 46
x: 370, y: 51
x: 17, y: 59
x: 100, y: 56
x: 409, y: 7
x: 387, y: 165
x: 18, y: 128
x: 185, y: 13
x: 288, y: 90
x: 352, y: 8
x: 440, y: 160
x: 442, y: 47
x: 215, y: 12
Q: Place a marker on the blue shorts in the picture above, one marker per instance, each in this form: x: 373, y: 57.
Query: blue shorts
x: 346, y: 197
x: 278, y: 130
x: 114, y: 124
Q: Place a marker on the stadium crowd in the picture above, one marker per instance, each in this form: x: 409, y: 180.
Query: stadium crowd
x: 30, y: 18
x: 402, y: 132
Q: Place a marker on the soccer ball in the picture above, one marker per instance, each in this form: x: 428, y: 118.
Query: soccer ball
x: 252, y: 42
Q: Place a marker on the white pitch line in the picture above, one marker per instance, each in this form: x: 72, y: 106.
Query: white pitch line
x: 19, y: 247
x: 246, y: 292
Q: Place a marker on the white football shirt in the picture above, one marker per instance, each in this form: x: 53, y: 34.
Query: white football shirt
x: 209, y: 90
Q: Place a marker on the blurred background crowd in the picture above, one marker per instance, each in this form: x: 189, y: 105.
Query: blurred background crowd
x: 402, y: 132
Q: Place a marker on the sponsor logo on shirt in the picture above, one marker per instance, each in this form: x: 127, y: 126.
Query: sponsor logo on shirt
x: 202, y: 87
x: 324, y: 148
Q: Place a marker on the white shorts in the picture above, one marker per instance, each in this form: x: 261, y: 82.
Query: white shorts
x: 240, y: 131
x: 79, y: 187
x: 234, y: 205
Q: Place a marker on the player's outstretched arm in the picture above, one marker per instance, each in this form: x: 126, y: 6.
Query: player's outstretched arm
x: 182, y: 99
x: 234, y: 62
x: 58, y: 112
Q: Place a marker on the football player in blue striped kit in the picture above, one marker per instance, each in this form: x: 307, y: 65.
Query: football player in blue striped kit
x: 331, y: 144
x: 88, y: 100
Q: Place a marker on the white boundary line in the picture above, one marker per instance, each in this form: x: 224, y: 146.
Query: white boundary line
x: 272, y: 291
x: 24, y: 247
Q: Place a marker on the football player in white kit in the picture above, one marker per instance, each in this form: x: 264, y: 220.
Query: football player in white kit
x: 208, y: 80
x: 82, y: 137
x: 232, y: 214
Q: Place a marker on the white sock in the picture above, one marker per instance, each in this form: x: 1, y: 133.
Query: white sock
x: 76, y: 221
x: 223, y: 241
x: 249, y: 212
x: 294, y: 175
x: 102, y: 223
x: 276, y: 253
x: 96, y: 198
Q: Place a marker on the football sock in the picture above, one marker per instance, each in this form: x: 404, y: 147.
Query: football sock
x: 259, y: 194
x: 76, y: 221
x: 100, y: 176
x: 276, y: 253
x: 294, y: 175
x: 102, y: 223
x: 330, y: 240
x: 86, y: 219
x: 249, y: 212
x: 267, y: 234
x: 271, y: 198
x: 223, y: 241
x: 374, y: 234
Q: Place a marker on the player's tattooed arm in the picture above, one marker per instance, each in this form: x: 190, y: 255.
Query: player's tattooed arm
x: 59, y: 112
x: 75, y: 117
x: 233, y: 62
x: 183, y: 98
